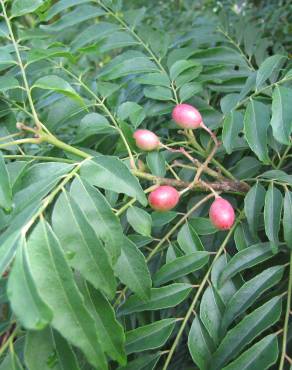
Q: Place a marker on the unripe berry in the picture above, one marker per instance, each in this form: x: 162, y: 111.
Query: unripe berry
x: 187, y: 116
x: 222, y: 214
x: 146, y: 140
x: 164, y: 198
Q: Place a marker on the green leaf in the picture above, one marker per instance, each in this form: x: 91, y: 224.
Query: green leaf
x: 261, y: 355
x: 181, y: 266
x: 144, y: 362
x: 8, y: 83
x: 277, y: 175
x: 202, y: 226
x: 287, y: 218
x: 160, y: 219
x: 246, y: 258
x: 158, y: 93
x: 61, y: 5
x: 55, y: 283
x: 211, y: 313
x: 188, y: 90
x: 281, y: 121
x: 112, y: 174
x: 99, y: 214
x: 79, y: 14
x: 130, y: 62
x: 256, y: 123
x: 232, y: 126
x: 189, y: 240
x: 156, y: 163
x: 156, y: 79
x: 132, y: 270
x: 5, y: 186
x: 93, y: 124
x: 149, y: 336
x: 182, y: 65
x: 39, y: 347
x: 250, y: 292
x: 267, y: 68
x: 80, y: 243
x: 272, y: 214
x: 200, y: 344
x: 160, y: 298
x: 109, y: 329
x: 11, y: 362
x: 243, y: 333
x: 21, y: 7
x: 133, y: 111
x: 24, y: 298
x: 58, y: 84
x: 140, y: 220
x: 253, y: 205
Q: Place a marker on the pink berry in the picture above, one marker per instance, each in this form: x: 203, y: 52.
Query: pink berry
x: 187, y: 116
x: 163, y: 198
x: 146, y: 140
x: 222, y: 214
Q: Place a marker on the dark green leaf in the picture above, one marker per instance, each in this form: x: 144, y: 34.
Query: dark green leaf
x: 140, y: 220
x: 149, y: 336
x: 181, y: 266
x: 5, y: 186
x: 253, y: 205
x: 287, y: 218
x: 112, y: 174
x: 160, y: 298
x: 272, y: 214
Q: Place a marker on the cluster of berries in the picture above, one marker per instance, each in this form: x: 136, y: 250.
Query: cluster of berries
x: 164, y: 198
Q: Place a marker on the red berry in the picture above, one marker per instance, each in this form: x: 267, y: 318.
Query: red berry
x: 163, y: 198
x: 222, y: 214
x: 146, y: 140
x: 187, y: 116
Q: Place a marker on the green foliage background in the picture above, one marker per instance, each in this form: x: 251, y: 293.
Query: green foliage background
x: 92, y: 278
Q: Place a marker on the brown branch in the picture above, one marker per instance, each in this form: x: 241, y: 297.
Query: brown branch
x: 232, y: 186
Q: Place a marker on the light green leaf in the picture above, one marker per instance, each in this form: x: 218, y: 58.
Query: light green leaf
x: 256, y: 123
x: 62, y: 5
x: 253, y: 205
x: 262, y: 355
x: 149, y: 336
x: 100, y: 216
x: 112, y: 174
x: 80, y: 242
x: 39, y: 346
x: 267, y: 68
x: 5, y: 186
x: 132, y: 270
x: 281, y: 121
x: 8, y: 83
x: 272, y: 215
x: 21, y: 7
x: 140, y: 220
x: 250, y: 292
x: 160, y: 298
x: 30, y: 309
x: 79, y: 14
x: 246, y: 258
x: 55, y: 283
x: 181, y: 266
x: 243, y: 333
x: 57, y: 84
x: 287, y: 218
